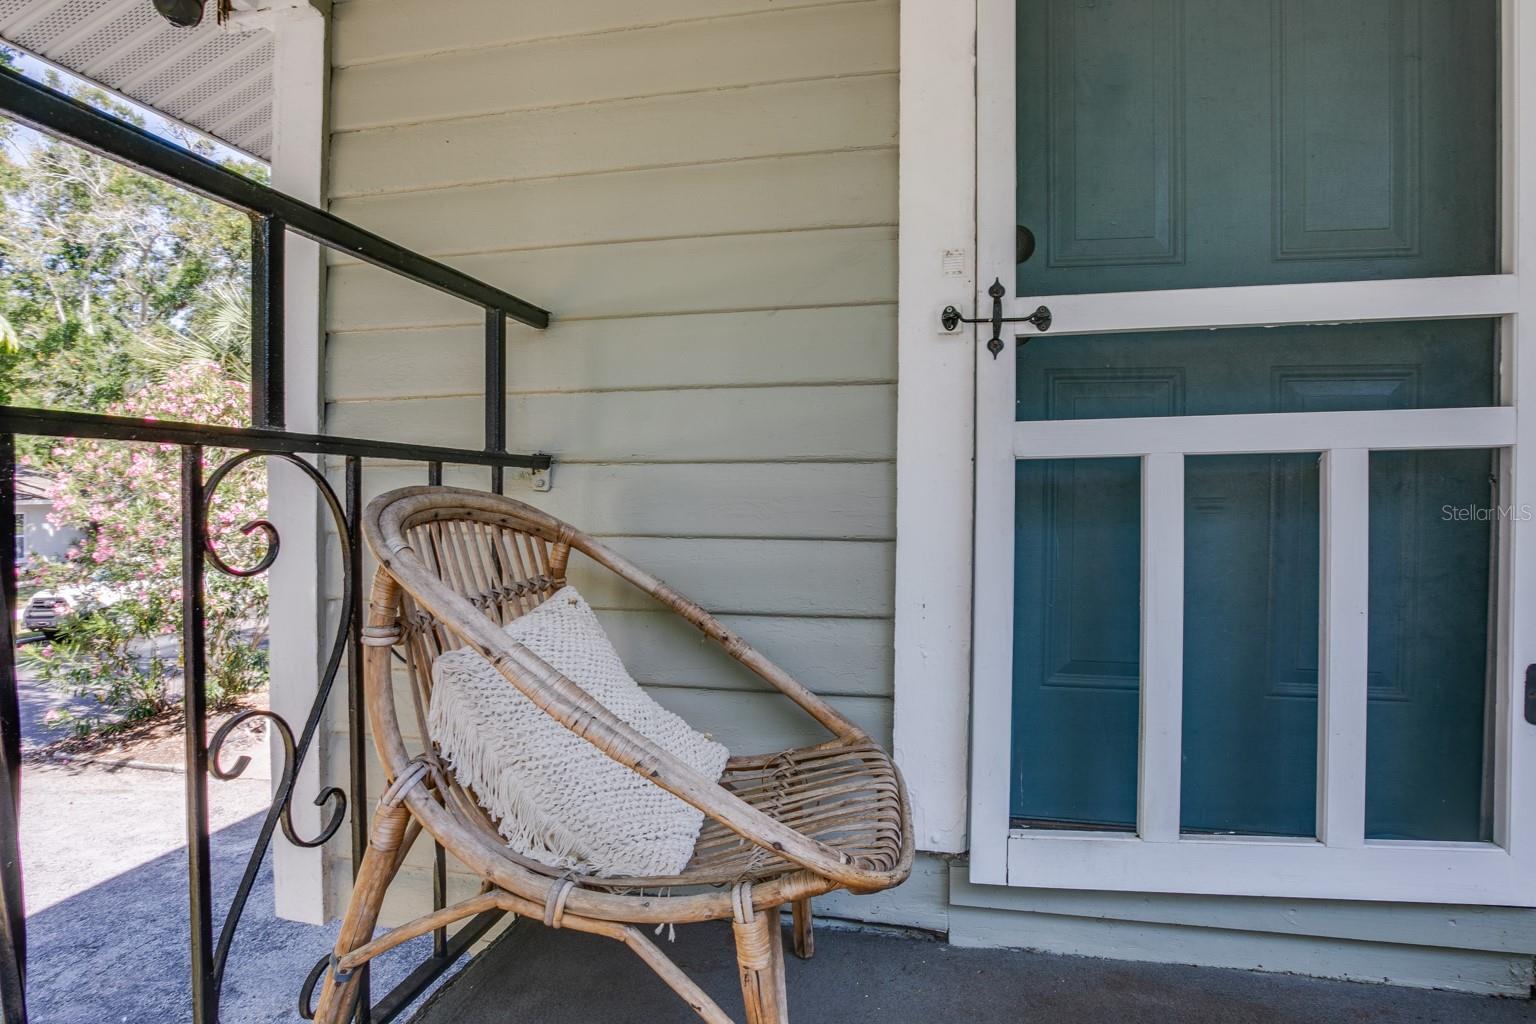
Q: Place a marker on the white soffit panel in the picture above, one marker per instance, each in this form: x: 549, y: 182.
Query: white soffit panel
x: 214, y: 78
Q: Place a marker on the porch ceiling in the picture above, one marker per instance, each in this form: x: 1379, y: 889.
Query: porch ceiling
x: 216, y: 79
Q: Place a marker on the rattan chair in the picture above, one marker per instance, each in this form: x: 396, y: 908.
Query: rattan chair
x: 780, y: 827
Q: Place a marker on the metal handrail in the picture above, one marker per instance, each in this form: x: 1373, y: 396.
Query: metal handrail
x: 273, y: 214
x: 50, y: 111
x: 55, y: 423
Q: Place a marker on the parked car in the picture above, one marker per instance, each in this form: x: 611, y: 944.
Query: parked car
x: 50, y: 609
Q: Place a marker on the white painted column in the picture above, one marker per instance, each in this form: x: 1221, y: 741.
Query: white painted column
x: 299, y: 144
x: 934, y: 417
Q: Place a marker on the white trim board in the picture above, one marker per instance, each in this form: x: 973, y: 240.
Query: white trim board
x: 992, y: 626
x: 1262, y: 433
x: 300, y: 69
x: 1277, y: 305
x: 1469, y: 873
x: 934, y: 417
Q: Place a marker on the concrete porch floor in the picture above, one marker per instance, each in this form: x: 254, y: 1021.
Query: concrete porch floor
x: 536, y: 976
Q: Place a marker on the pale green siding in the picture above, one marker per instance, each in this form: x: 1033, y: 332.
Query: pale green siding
x: 1474, y: 949
x: 704, y: 192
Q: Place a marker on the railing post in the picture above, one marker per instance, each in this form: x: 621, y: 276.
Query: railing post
x: 13, y: 921
x: 194, y: 701
x: 496, y: 389
x: 439, y: 858
x: 267, y: 394
x: 357, y: 716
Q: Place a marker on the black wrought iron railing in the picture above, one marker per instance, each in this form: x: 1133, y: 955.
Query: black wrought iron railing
x: 273, y: 216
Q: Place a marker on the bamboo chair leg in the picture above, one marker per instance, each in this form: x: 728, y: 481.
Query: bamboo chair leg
x: 380, y: 862
x: 679, y: 982
x: 760, y: 960
x: 805, y: 935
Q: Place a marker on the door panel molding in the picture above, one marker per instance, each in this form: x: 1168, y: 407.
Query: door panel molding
x: 1099, y: 217
x: 1376, y: 62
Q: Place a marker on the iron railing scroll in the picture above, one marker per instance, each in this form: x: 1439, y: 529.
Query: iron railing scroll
x: 273, y: 215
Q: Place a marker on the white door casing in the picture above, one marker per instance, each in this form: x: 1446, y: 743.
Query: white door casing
x: 935, y: 428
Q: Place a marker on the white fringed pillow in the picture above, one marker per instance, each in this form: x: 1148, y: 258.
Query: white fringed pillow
x: 559, y: 799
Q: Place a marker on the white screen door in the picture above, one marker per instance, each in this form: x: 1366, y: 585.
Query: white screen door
x: 1253, y: 566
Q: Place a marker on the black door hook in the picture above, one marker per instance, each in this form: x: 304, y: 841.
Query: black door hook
x: 1041, y: 318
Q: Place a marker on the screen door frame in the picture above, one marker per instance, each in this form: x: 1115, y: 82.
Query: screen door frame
x: 1340, y: 862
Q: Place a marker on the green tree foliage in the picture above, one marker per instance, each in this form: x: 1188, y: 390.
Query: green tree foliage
x: 123, y: 294
x: 129, y: 563
x: 103, y: 271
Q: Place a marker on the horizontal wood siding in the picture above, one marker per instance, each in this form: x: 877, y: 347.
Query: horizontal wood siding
x: 704, y: 194
x: 715, y: 274
x: 719, y: 424
x: 828, y: 345
x: 833, y: 115
x: 379, y: 30
x: 705, y: 54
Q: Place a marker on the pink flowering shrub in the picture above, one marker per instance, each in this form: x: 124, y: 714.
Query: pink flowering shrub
x: 127, y: 497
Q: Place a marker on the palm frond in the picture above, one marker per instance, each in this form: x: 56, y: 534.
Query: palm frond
x: 224, y: 342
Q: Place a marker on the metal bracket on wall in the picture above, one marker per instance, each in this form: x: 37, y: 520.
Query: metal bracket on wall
x: 542, y: 479
x: 1041, y: 318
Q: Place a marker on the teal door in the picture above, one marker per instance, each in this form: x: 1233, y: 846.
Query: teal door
x: 1180, y: 144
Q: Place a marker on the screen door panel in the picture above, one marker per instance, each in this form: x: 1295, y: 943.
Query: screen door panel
x: 1185, y: 144
x: 1200, y: 143
x: 1250, y: 564
x: 1252, y: 579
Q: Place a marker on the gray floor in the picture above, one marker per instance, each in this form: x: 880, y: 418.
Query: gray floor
x: 535, y: 976
x: 106, y: 886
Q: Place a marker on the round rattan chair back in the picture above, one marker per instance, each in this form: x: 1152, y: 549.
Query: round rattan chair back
x: 780, y: 827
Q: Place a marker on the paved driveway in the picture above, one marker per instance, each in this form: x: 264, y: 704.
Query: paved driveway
x: 37, y: 701
x: 104, y: 862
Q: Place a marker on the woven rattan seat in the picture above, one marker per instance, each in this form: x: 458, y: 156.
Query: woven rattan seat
x: 844, y: 796
x: 780, y: 827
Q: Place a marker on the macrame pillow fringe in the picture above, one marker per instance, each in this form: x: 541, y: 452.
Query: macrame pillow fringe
x: 555, y: 797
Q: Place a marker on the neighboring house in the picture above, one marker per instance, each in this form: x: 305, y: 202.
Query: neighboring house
x: 36, y: 534
x: 1199, y: 623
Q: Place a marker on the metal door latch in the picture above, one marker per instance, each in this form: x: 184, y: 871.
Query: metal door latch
x: 1041, y: 318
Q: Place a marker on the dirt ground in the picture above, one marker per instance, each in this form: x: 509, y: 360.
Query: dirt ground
x: 162, y: 740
